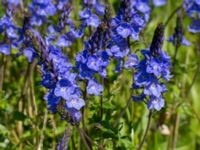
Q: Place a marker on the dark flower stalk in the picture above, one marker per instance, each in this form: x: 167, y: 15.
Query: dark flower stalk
x: 156, y: 44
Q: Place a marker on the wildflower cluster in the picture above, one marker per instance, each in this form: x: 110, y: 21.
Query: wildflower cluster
x: 151, y: 71
x: 94, y: 59
x: 58, y: 78
x: 46, y: 33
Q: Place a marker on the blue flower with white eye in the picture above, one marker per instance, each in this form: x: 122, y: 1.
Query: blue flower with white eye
x: 154, y: 89
x: 132, y: 61
x: 156, y: 103
x: 93, y: 21
x: 64, y: 41
x: 75, y: 102
x: 93, y: 62
x: 5, y: 49
x: 143, y: 6
x: 94, y: 88
x: 124, y: 30
x: 118, y: 52
x: 64, y: 89
x: 154, y: 66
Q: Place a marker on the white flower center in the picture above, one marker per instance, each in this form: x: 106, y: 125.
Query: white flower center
x: 63, y: 89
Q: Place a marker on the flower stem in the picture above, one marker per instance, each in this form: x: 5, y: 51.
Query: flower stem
x: 123, y: 111
x: 40, y: 144
x: 175, y: 130
x: 172, y: 14
x: 83, y: 138
x: 146, y: 131
x: 2, y: 68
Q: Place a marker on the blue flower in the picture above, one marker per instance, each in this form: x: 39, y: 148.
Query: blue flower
x: 48, y: 80
x: 52, y: 101
x: 5, y: 49
x: 64, y: 89
x: 154, y: 89
x: 7, y: 25
x: 156, y: 103
x: 14, y: 2
x: 93, y: 62
x: 159, y: 3
x: 30, y: 53
x: 195, y: 26
x: 75, y: 102
x: 154, y: 66
x: 94, y: 88
x: 143, y: 6
x: 89, y: 18
x: 132, y: 61
x: 124, y: 30
x: 100, y: 9
x: 64, y: 41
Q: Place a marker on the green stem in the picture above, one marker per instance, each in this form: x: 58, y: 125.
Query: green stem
x: 32, y: 89
x: 175, y: 131
x: 172, y: 14
x: 101, y: 102
x: 40, y: 144
x: 146, y: 131
x: 123, y: 111
x: 83, y: 139
x: 83, y: 110
x: 2, y: 69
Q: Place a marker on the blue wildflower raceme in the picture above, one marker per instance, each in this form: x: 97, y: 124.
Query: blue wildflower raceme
x: 95, y: 58
x: 64, y: 94
x: 151, y: 71
x: 131, y: 18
